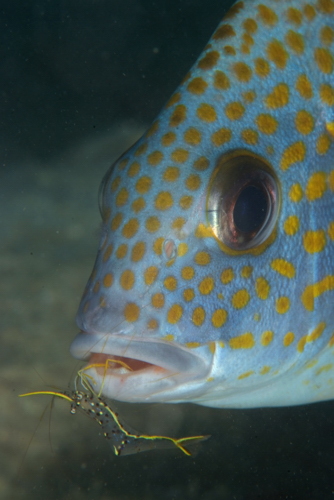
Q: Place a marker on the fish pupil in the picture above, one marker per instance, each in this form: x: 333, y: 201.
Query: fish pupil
x: 250, y: 210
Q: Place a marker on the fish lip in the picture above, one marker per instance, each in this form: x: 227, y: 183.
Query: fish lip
x: 164, y: 354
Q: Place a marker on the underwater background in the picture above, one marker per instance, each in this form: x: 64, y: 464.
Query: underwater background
x: 79, y: 83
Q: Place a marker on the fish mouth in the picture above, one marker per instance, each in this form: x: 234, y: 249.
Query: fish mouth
x: 140, y: 370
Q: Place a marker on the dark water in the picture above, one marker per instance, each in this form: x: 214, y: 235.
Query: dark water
x: 79, y: 82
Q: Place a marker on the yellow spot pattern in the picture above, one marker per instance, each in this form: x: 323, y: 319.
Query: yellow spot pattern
x: 304, y: 122
x: 219, y: 318
x: 288, y: 339
x: 163, y: 201
x: 240, y: 299
x: 174, y: 314
x: 282, y: 305
x: 293, y: 154
x: 245, y: 341
x: 296, y: 193
x: 202, y: 258
x: 227, y: 276
x: 323, y: 144
x: 279, y: 97
x: 108, y: 280
x: 295, y: 41
x: 131, y: 312
x: 206, y: 113
x: 316, y: 186
x: 234, y: 111
x: 324, y: 60
x: 150, y: 275
x: 250, y: 91
x: 283, y: 267
x: 314, y: 241
x: 291, y: 225
x: 262, y: 288
x: 127, y: 279
x: 267, y: 337
x: 277, y: 54
x: 266, y: 124
x: 304, y: 87
x: 313, y: 291
x: 206, y: 285
x: 267, y: 15
x: 198, y: 316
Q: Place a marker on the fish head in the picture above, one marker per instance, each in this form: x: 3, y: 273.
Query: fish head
x: 214, y: 276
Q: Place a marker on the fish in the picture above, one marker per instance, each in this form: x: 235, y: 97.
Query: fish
x: 214, y: 278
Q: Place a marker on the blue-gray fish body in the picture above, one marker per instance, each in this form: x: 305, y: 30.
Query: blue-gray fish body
x: 214, y: 281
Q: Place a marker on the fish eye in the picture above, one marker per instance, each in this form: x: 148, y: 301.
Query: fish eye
x: 243, y: 200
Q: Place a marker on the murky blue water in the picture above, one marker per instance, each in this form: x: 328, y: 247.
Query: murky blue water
x: 79, y: 82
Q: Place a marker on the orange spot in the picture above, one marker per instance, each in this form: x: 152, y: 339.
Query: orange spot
x: 152, y: 224
x: 262, y: 288
x: 250, y: 25
x: 324, y: 60
x: 242, y: 71
x: 221, y: 137
x: 178, y: 116
x: 206, y: 113
x: 293, y: 154
x: 313, y: 291
x: 143, y: 184
x: 155, y: 158
x: 180, y: 155
x: 174, y: 314
x: 279, y: 97
x: 223, y: 32
x: 201, y: 163
x: 304, y: 87
x: 304, y: 122
x: 192, y: 136
x: 130, y: 228
x: 245, y: 341
x: 127, y: 279
x: 168, y: 139
x: 150, y: 275
x: 277, y: 54
x: 138, y: 251
x: 262, y: 68
x: 116, y: 221
x: 267, y: 16
x: 131, y: 312
x: 295, y: 41
x: 171, y: 174
x: 209, y: 60
x: 163, y: 201
x: 219, y: 318
x: 138, y: 205
x: 267, y: 124
x: 193, y: 182
x: 316, y: 186
x: 314, y: 241
x: 240, y: 299
x: 326, y: 6
x: 250, y: 136
x: 198, y: 316
x: 221, y: 81
x: 197, y: 86
x: 294, y: 16
x: 234, y: 111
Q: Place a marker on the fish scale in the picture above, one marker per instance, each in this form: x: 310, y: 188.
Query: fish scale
x: 215, y: 270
